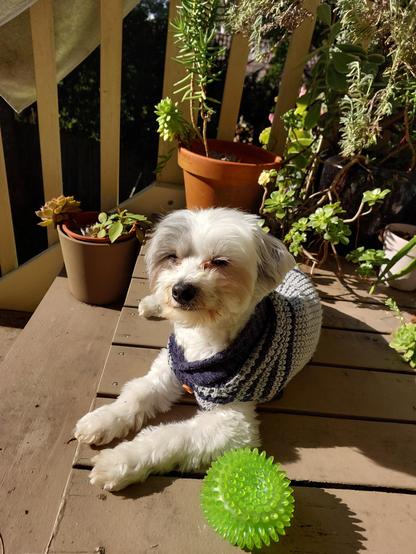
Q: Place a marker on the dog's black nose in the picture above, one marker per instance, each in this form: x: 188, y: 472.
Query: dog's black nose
x: 183, y: 293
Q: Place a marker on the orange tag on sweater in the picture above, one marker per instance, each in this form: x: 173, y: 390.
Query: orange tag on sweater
x: 187, y: 389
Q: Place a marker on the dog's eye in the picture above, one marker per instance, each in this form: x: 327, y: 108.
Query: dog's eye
x: 171, y: 257
x: 220, y: 262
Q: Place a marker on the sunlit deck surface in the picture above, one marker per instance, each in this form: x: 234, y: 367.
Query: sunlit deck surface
x: 344, y: 431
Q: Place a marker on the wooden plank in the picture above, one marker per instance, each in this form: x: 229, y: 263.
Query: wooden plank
x: 364, y: 453
x: 292, y: 76
x: 316, y: 389
x: 350, y: 393
x: 135, y: 330
x: 138, y: 289
x: 47, y: 381
x: 373, y: 318
x: 43, y: 41
x: 351, y: 288
x: 24, y: 288
x: 8, y: 254
x: 233, y: 87
x: 124, y: 363
x: 111, y: 25
x: 139, y: 270
x: 359, y: 350
x: 163, y: 515
x: 173, y: 72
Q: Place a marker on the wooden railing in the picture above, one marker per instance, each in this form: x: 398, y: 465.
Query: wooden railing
x: 22, y: 287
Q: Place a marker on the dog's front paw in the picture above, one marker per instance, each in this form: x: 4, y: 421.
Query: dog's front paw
x: 101, y: 426
x: 114, y: 469
x: 149, y: 307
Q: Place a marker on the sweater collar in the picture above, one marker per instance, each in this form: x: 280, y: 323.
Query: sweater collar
x: 224, y: 365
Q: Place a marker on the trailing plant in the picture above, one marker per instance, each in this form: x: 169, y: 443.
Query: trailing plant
x: 195, y: 28
x: 404, y: 338
x: 258, y: 19
x: 358, y: 100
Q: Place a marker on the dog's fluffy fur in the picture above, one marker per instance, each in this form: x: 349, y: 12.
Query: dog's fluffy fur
x: 232, y: 264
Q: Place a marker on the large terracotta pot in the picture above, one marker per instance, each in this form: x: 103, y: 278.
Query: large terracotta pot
x: 392, y: 243
x: 98, y: 272
x: 212, y: 182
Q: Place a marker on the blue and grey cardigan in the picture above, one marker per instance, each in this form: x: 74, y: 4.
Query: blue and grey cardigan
x: 278, y: 340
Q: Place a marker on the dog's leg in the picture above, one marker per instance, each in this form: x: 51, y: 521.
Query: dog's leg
x: 139, y: 399
x: 187, y: 445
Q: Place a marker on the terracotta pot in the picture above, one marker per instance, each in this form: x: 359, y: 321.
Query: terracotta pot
x: 210, y: 182
x: 392, y: 243
x: 98, y: 272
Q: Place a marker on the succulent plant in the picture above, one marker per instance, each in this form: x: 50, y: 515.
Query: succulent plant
x: 57, y: 209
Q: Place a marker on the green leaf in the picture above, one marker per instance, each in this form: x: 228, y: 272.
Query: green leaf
x: 313, y: 115
x: 324, y: 14
x: 352, y: 49
x: 102, y: 233
x: 335, y: 80
x: 341, y: 61
x: 376, y: 58
x: 136, y: 217
x: 115, y: 231
x: 398, y: 256
x: 408, y: 269
x: 102, y: 217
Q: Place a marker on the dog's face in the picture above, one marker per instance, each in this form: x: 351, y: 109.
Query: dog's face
x: 213, y: 264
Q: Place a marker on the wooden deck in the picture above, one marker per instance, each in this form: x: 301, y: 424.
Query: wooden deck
x: 344, y: 431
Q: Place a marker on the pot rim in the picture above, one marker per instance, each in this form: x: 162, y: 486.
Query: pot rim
x: 201, y: 158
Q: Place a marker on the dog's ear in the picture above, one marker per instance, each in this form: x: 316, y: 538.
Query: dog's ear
x: 273, y: 260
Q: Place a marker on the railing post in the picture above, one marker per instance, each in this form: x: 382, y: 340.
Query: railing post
x: 292, y: 76
x: 8, y: 256
x: 43, y: 41
x: 233, y: 87
x: 111, y: 18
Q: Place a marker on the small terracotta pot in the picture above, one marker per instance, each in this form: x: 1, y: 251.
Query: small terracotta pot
x: 98, y: 272
x: 392, y: 243
x: 210, y: 182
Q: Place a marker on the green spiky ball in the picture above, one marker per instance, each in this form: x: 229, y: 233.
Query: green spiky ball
x: 247, y: 498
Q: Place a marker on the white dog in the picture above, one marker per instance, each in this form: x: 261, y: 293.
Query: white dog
x: 236, y: 341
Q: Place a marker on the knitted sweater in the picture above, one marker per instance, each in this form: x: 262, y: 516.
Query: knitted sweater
x: 278, y: 340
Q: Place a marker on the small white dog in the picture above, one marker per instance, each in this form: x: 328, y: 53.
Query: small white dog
x: 237, y: 341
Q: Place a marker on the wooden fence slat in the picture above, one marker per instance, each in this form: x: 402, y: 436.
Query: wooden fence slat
x: 8, y: 255
x: 111, y: 20
x: 233, y: 88
x: 43, y: 41
x: 292, y: 76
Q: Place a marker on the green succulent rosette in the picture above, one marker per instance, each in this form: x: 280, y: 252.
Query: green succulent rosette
x: 247, y: 498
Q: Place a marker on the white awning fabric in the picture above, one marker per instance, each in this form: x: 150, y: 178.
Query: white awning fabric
x: 77, y: 34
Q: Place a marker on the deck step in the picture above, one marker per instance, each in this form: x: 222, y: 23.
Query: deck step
x: 163, y: 515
